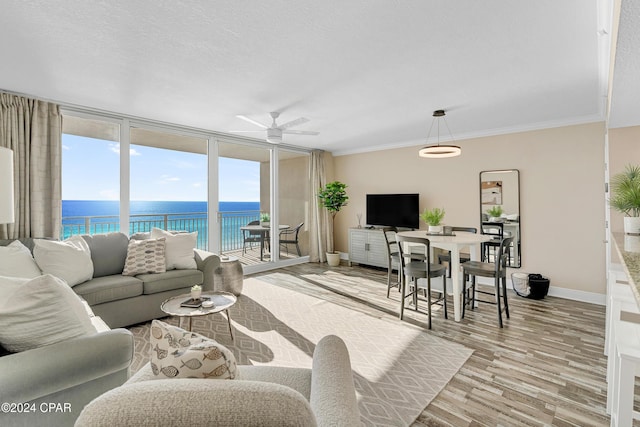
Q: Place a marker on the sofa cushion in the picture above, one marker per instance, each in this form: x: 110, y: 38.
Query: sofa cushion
x: 170, y: 280
x: 108, y: 252
x: 145, y: 256
x: 176, y: 353
x: 16, y: 261
x: 38, y: 312
x: 69, y: 260
x: 109, y: 288
x: 179, y: 253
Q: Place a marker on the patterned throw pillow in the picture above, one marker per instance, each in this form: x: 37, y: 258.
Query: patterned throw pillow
x: 145, y: 256
x: 176, y: 353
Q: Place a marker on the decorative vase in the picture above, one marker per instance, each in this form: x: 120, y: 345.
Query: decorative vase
x: 265, y: 223
x: 435, y: 229
x: 333, y: 259
x: 195, y: 293
x: 632, y: 225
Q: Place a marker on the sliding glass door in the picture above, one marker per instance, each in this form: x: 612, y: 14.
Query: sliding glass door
x: 245, y: 198
x: 168, y: 183
x: 90, y: 176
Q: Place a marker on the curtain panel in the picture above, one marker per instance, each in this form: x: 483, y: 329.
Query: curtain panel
x: 33, y: 130
x: 320, y: 229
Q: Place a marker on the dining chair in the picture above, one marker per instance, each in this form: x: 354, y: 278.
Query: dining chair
x: 393, y: 257
x: 419, y: 269
x: 496, y: 231
x: 497, y: 270
x: 446, y: 257
x: 251, y: 237
x: 290, y: 236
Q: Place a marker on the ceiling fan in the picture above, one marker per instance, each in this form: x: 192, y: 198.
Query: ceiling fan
x: 275, y: 131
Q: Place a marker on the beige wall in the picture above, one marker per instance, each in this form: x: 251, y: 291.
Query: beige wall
x: 624, y: 149
x: 561, y: 194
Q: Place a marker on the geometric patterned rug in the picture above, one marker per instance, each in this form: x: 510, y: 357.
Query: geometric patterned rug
x: 398, y: 368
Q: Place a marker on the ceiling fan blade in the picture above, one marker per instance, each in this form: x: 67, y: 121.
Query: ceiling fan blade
x: 246, y: 131
x: 301, y: 132
x: 295, y: 122
x: 247, y: 119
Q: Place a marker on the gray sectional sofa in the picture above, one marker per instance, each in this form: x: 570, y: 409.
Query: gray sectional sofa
x: 126, y: 300
x: 70, y: 374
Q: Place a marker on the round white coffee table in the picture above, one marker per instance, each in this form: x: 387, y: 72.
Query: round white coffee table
x: 221, y: 302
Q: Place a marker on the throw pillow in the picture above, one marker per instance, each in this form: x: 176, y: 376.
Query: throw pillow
x: 145, y: 256
x: 176, y: 353
x: 38, y: 312
x: 70, y: 260
x: 180, y: 246
x: 16, y: 261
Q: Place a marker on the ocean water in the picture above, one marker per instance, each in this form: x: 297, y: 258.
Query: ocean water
x: 101, y: 216
x: 112, y: 207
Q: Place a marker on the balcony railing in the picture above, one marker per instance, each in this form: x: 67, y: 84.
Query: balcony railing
x: 230, y: 222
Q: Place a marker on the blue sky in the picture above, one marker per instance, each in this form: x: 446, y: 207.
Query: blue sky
x: 90, y: 171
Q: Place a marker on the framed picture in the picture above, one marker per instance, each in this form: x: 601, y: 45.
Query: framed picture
x: 491, y: 192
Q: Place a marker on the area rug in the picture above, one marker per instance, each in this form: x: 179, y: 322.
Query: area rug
x: 398, y: 368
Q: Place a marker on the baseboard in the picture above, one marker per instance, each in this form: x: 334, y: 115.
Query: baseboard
x: 554, y: 291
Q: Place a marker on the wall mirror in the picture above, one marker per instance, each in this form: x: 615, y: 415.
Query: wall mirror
x: 500, y: 208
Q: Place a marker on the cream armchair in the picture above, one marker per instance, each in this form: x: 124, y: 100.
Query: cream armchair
x: 261, y: 395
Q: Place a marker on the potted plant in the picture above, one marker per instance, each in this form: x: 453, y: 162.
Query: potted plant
x: 196, y: 291
x: 265, y: 219
x: 333, y: 197
x: 433, y: 218
x: 625, y: 189
x: 495, y: 213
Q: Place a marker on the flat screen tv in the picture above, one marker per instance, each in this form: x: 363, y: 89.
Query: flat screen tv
x: 393, y: 210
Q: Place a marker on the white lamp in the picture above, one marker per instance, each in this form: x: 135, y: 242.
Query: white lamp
x: 6, y: 186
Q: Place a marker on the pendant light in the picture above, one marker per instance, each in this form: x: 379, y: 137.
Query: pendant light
x: 439, y: 151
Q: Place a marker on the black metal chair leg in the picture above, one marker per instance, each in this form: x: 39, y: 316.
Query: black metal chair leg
x: 504, y: 296
x: 428, y: 300
x: 444, y: 295
x: 497, y: 286
x: 402, y: 297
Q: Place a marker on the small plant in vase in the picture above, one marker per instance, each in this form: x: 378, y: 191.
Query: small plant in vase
x: 265, y: 219
x: 433, y: 218
x: 196, y: 291
x: 495, y: 213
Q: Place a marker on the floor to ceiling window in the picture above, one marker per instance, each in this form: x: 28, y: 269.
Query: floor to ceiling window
x: 168, y: 183
x: 244, y: 182
x: 90, y: 176
x: 243, y: 197
x: 293, y: 202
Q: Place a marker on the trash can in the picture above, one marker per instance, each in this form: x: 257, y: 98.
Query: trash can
x: 520, y: 282
x: 538, y: 286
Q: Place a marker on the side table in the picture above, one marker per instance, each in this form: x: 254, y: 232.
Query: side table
x: 221, y: 300
x: 229, y: 277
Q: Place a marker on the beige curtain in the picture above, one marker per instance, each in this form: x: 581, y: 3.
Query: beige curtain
x: 320, y: 232
x: 33, y: 130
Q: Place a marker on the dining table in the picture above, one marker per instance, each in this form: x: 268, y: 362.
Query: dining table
x: 263, y: 230
x: 453, y: 243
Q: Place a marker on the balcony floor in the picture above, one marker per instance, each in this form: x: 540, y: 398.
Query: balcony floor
x: 252, y: 255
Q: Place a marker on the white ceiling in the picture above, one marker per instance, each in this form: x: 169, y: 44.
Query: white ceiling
x: 367, y: 73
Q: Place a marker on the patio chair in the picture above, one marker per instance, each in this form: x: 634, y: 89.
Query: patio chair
x: 251, y: 237
x: 290, y: 237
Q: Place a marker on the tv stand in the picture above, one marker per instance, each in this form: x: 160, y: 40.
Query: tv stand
x: 367, y: 246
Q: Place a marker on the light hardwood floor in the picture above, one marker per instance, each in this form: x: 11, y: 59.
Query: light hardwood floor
x: 545, y: 367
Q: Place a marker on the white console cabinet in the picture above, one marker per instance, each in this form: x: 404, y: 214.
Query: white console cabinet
x: 367, y: 246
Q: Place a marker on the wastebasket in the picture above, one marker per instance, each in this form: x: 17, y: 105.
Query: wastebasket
x: 538, y: 286
x: 520, y: 283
